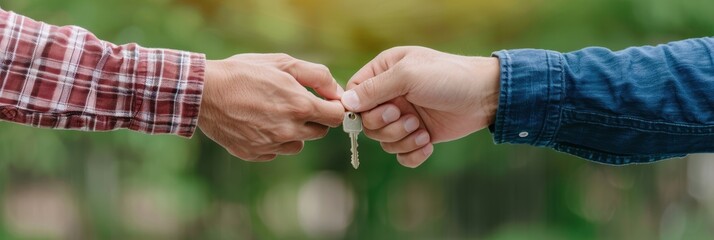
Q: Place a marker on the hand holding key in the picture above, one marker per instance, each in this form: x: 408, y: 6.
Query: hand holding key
x: 412, y: 97
x: 256, y: 105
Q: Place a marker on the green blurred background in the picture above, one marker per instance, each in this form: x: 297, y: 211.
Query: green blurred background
x: 126, y: 185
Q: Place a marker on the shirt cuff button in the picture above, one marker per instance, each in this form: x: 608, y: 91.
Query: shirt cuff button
x: 523, y: 134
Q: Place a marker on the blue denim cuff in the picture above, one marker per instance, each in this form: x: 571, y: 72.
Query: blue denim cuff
x: 529, y: 107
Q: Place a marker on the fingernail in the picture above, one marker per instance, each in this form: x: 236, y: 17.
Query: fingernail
x: 390, y: 115
x: 422, y: 139
x: 428, y: 150
x: 339, y: 91
x: 350, y: 100
x: 411, y: 124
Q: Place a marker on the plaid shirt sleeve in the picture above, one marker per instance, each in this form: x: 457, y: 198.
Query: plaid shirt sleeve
x: 66, y: 78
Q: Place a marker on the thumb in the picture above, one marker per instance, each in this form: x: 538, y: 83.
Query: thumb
x: 373, y: 92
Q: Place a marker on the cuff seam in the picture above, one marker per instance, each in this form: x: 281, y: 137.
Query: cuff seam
x: 504, y: 105
x: 532, y: 93
x: 553, y: 110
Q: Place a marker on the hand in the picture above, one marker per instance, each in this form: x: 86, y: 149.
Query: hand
x: 257, y: 107
x: 412, y: 97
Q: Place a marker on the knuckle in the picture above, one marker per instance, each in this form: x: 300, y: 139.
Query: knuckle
x: 393, y: 135
x: 388, y: 147
x: 322, y: 68
x: 302, y: 112
x: 325, y: 78
x: 369, y: 87
x: 286, y: 61
x: 283, y: 134
x: 382, y: 136
x: 367, y: 123
x: 352, y: 83
x: 294, y: 148
x: 404, y: 49
x: 283, y: 56
x: 316, y: 131
x: 336, y: 120
x: 393, y: 138
x: 291, y: 63
x: 370, y: 120
x: 371, y: 134
x: 390, y: 53
x: 301, y: 109
x: 403, y: 71
x: 323, y: 132
x: 243, y: 154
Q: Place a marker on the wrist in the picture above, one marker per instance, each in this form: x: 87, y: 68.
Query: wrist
x: 489, y: 72
x: 214, y: 71
x: 532, y: 94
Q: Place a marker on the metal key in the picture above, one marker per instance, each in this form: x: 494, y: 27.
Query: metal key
x: 352, y: 125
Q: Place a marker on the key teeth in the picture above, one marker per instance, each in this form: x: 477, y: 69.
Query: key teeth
x: 355, y: 163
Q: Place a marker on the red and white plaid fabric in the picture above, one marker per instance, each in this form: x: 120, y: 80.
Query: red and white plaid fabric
x: 66, y: 78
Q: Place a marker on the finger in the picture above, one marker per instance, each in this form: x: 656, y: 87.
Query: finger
x: 410, y: 143
x: 290, y: 148
x: 368, y: 71
x: 374, y: 91
x: 328, y: 113
x: 375, y: 83
x: 313, y: 131
x: 251, y: 157
x: 394, y: 131
x: 415, y: 158
x: 317, y: 77
x: 265, y: 158
x: 380, y: 116
x: 239, y: 153
x: 381, y: 63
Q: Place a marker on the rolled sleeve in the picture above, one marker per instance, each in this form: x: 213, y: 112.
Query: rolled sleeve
x: 64, y: 77
x: 529, y: 109
x: 168, y: 90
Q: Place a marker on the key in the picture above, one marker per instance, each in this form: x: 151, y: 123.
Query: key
x: 352, y: 125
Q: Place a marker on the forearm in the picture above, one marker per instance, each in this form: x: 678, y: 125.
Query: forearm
x: 636, y: 105
x: 65, y: 77
x: 667, y: 83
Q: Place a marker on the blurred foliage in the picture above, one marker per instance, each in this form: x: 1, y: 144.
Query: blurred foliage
x: 126, y: 185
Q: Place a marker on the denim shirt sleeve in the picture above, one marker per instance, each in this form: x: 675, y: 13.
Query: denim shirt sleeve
x: 637, y: 105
